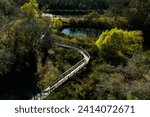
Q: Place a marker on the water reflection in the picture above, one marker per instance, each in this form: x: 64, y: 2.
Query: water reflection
x: 83, y: 32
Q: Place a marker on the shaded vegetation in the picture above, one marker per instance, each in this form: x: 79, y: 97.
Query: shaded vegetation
x: 119, y: 66
x: 20, y: 48
x: 73, y: 4
x: 104, y: 80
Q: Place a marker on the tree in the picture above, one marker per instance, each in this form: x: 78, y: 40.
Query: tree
x: 57, y: 24
x: 24, y: 36
x: 6, y: 61
x: 137, y: 12
x: 20, y: 2
x: 7, y: 8
x: 118, y: 42
x: 92, y: 15
x: 30, y: 9
x: 73, y: 4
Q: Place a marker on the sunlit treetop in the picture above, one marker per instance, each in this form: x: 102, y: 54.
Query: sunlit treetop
x: 118, y: 42
x: 30, y: 9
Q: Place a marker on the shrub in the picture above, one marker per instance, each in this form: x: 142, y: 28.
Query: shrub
x: 30, y: 9
x: 57, y: 24
x: 120, y: 43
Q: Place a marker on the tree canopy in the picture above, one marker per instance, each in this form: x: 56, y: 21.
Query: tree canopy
x: 73, y: 4
x: 119, y: 42
x: 30, y: 9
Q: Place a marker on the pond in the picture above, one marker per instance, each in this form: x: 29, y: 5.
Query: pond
x: 80, y: 32
x: 83, y: 32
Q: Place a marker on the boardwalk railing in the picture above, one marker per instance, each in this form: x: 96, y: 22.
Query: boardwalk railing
x: 54, y: 84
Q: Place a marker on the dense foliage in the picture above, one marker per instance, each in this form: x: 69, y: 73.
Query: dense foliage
x: 57, y: 24
x: 73, y: 4
x: 117, y: 42
x: 103, y: 80
x: 136, y: 11
x: 119, y: 64
x: 29, y: 10
x: 20, y: 45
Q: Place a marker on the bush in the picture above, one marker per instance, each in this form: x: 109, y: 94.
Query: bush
x: 57, y: 24
x: 119, y: 43
x: 30, y: 9
x: 92, y: 15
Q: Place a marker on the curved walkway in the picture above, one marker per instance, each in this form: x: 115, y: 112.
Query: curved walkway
x: 54, y: 84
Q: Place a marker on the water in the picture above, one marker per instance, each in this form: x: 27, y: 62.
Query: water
x: 83, y: 32
x: 80, y: 32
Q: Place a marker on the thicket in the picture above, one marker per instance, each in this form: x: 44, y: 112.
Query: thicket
x: 98, y: 22
x: 102, y: 79
x: 24, y: 60
x: 119, y: 43
x: 73, y: 4
x: 20, y: 46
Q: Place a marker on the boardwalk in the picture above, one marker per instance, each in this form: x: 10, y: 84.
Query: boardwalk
x: 67, y: 74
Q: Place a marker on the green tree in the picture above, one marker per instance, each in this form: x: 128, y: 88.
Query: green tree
x: 7, y: 8
x: 30, y: 9
x: 118, y: 42
x: 92, y: 15
x: 57, y: 24
x: 137, y: 12
x: 24, y: 36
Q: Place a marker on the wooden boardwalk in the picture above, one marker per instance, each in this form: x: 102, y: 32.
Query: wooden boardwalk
x: 54, y: 84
